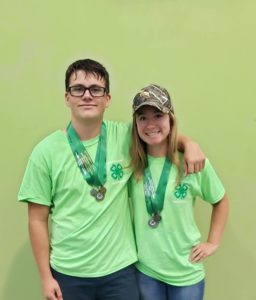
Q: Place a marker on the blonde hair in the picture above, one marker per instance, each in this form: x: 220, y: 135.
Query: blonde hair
x: 138, y: 149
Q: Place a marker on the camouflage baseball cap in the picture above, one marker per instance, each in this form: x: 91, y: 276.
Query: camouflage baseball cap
x: 153, y: 95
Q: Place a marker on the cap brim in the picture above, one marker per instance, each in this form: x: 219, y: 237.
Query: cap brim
x: 149, y: 103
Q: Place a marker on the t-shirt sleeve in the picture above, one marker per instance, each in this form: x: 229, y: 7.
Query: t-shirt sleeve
x: 36, y: 184
x: 212, y: 189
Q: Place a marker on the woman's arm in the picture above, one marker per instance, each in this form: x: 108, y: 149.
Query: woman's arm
x: 218, y: 221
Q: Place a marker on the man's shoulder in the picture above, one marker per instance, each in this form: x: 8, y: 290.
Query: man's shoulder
x: 118, y: 132
x: 49, y: 142
x: 118, y: 125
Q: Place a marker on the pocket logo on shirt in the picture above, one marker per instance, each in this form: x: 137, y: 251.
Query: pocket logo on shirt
x: 181, y: 191
x: 117, y: 171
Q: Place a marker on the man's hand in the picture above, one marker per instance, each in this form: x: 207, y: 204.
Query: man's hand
x: 201, y: 251
x: 51, y: 289
x: 194, y: 158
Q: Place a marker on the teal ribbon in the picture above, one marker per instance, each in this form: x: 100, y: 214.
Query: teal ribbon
x: 94, y: 173
x: 155, y: 198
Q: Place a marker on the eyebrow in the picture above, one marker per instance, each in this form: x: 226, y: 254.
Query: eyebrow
x: 81, y: 85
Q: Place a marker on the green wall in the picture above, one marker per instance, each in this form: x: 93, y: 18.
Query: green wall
x: 203, y: 52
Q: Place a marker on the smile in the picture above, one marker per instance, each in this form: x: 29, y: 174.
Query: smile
x: 87, y: 105
x: 152, y: 133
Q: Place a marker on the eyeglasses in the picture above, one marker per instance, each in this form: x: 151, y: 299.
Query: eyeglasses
x: 79, y: 90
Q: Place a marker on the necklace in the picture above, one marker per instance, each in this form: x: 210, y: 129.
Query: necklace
x: 155, y: 198
x: 93, y: 173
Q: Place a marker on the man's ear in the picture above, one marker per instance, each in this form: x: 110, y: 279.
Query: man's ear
x: 67, y: 99
x: 108, y: 100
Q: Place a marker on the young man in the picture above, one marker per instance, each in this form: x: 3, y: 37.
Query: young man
x: 78, y: 177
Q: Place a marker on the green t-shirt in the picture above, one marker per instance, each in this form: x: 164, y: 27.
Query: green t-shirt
x: 88, y: 238
x: 163, y: 252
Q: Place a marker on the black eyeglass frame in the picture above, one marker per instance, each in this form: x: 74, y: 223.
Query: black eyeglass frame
x: 90, y: 88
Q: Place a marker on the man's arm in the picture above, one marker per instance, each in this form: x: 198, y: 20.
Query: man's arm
x: 218, y: 221
x: 194, y: 158
x: 39, y: 238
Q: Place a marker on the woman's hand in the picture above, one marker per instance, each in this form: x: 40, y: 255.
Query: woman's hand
x: 201, y: 251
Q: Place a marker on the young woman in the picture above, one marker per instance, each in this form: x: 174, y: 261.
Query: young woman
x: 170, y: 250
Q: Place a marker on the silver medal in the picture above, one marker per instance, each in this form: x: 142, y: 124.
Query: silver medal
x: 152, y: 223
x: 93, y: 192
x: 154, y: 220
x: 98, y: 194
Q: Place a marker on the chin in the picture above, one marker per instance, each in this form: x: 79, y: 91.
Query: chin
x: 154, y: 142
x: 89, y: 115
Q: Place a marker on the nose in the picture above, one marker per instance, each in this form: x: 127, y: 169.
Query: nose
x: 87, y: 95
x: 150, y: 123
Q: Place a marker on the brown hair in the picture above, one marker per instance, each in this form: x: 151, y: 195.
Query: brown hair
x: 89, y: 66
x: 138, y: 149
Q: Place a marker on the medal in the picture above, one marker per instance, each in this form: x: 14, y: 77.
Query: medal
x: 94, y: 173
x: 98, y: 194
x: 154, y: 198
x: 154, y: 220
x: 157, y: 217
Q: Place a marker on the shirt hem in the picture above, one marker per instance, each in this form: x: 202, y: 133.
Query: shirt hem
x: 171, y: 282
x: 90, y: 275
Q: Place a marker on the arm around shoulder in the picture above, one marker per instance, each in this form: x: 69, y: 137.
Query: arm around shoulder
x: 194, y: 158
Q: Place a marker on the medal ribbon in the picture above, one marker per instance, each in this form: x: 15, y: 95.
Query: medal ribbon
x: 155, y: 199
x: 94, y: 173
